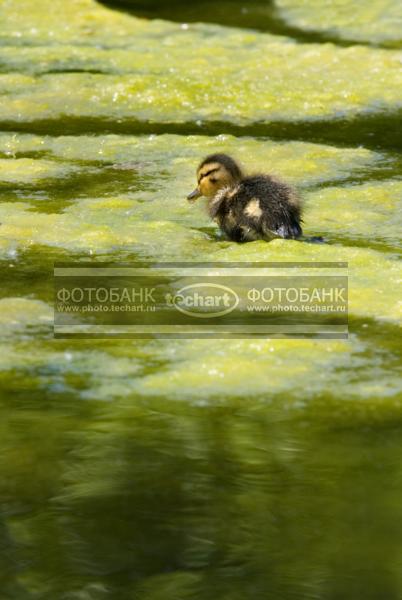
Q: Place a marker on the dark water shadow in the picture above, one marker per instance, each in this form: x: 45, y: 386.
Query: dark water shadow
x: 258, y: 15
x: 92, y: 180
x: 29, y: 271
x: 377, y: 130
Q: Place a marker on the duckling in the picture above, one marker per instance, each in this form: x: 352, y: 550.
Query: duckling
x: 256, y: 207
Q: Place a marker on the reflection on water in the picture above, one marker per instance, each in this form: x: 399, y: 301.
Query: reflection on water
x: 163, y: 500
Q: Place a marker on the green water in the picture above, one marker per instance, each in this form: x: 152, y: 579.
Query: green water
x: 197, y: 469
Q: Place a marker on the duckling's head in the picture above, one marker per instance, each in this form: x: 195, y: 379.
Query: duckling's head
x: 215, y: 172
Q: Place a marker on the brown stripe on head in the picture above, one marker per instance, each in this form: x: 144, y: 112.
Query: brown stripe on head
x: 216, y: 160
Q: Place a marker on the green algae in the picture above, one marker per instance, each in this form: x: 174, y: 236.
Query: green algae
x: 370, y: 209
x: 51, y: 173
x: 82, y: 22
x: 249, y: 94
x: 373, y: 276
x: 188, y: 370
x: 20, y: 312
x: 103, y: 225
x: 375, y: 22
x: 157, y: 172
x: 156, y: 222
x: 346, y: 23
x: 133, y: 220
x: 256, y: 78
x: 261, y: 369
x: 152, y: 155
x: 29, y: 171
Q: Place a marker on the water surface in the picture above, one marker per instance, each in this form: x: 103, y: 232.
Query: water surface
x: 171, y: 469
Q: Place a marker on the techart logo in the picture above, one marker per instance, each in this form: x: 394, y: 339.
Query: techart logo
x: 204, y: 300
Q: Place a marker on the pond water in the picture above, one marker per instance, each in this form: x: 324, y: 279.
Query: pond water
x: 194, y: 469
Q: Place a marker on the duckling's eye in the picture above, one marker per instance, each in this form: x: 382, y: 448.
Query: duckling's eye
x: 208, y: 173
x: 213, y: 180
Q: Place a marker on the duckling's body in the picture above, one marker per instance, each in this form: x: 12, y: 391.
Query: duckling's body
x: 247, y: 208
x: 259, y: 207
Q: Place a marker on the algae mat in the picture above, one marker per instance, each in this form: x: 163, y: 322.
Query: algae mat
x: 145, y: 212
x: 378, y: 22
x: 252, y: 78
x: 191, y: 469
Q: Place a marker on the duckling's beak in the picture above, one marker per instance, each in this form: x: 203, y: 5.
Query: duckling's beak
x: 194, y: 195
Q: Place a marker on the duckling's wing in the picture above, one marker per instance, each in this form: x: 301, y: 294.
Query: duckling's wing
x: 275, y: 213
